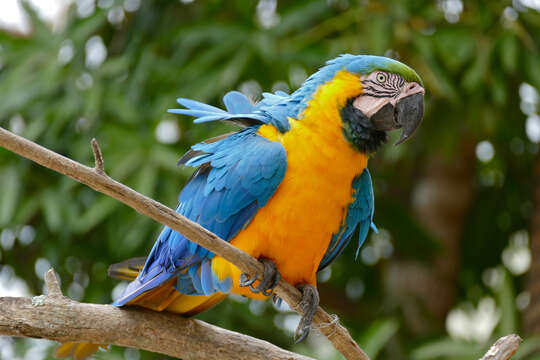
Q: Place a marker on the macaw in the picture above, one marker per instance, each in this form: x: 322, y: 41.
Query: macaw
x: 290, y: 188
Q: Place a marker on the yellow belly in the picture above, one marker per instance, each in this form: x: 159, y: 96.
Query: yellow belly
x: 296, y: 225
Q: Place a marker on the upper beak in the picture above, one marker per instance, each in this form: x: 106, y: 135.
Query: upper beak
x: 405, y: 112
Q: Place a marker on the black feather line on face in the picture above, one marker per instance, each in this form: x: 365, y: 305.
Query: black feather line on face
x: 359, y: 131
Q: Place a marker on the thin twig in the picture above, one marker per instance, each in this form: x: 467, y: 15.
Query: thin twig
x: 59, y: 318
x: 504, y: 348
x: 98, y: 157
x: 337, y: 334
x: 53, y: 287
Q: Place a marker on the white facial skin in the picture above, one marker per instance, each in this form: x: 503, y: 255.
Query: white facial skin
x: 380, y: 88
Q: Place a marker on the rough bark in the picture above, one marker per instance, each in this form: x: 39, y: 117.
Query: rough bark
x: 97, y: 179
x: 504, y: 348
x: 56, y: 317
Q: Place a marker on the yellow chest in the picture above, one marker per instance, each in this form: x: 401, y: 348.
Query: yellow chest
x: 296, y: 225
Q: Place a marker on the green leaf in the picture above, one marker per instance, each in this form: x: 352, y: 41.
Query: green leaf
x: 99, y: 211
x: 509, y: 52
x: 476, y: 74
x: 506, y: 299
x: 532, y: 69
x: 52, y: 209
x: 11, y: 186
x: 377, y: 335
x: 530, y: 345
x: 447, y: 349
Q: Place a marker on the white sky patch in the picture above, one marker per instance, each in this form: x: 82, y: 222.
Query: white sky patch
x: 531, y: 4
x: 7, y: 238
x: 493, y: 277
x: 11, y: 285
x: 12, y: 14
x: 517, y: 255
x: 96, y: 52
x: 118, y: 290
x: 85, y: 8
x: 452, y: 9
x: 66, y: 52
x: 266, y: 13
x: 17, y: 124
x: 523, y: 300
x: 116, y: 15
x: 27, y: 235
x: 324, y: 275
x: 485, y: 151
x: 532, y: 128
x: 473, y: 324
x: 41, y: 266
x: 132, y: 5
x: 168, y: 132
x: 85, y: 81
x: 355, y: 288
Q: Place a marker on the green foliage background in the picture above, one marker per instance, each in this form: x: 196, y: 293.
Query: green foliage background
x: 472, y: 70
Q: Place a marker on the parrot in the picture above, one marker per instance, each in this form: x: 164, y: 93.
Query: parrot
x: 291, y: 187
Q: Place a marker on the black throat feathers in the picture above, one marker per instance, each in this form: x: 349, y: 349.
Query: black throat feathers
x: 359, y: 131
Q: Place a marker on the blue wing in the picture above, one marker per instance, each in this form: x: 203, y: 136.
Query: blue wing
x: 272, y: 109
x: 236, y: 176
x: 359, y: 214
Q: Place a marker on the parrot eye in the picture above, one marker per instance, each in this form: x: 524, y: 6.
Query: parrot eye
x: 381, y: 77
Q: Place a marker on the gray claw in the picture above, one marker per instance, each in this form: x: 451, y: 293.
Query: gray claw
x: 269, y: 281
x: 246, y: 281
x: 309, y: 305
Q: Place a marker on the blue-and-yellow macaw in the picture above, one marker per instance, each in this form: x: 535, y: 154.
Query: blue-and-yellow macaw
x: 290, y: 188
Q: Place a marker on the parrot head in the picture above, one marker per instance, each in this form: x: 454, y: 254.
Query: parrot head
x: 374, y: 94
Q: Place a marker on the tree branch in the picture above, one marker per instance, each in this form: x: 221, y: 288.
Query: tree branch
x: 99, y: 166
x: 99, y: 181
x: 59, y: 318
x: 504, y: 348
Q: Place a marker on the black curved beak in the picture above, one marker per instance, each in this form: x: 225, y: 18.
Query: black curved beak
x: 406, y: 115
x: 409, y: 113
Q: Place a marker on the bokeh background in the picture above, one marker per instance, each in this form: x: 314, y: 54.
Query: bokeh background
x: 457, y: 261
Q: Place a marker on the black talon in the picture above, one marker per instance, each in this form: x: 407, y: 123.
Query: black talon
x: 269, y: 281
x: 309, y: 304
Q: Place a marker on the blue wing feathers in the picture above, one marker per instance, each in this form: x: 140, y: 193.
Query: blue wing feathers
x: 359, y: 214
x: 272, y: 109
x: 236, y: 177
x: 237, y: 103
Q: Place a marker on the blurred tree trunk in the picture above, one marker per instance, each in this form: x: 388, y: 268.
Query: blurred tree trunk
x: 440, y: 200
x: 532, y: 312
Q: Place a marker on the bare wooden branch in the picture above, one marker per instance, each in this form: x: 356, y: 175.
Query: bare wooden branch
x: 504, y: 348
x: 53, y: 287
x: 98, y: 157
x: 323, y: 321
x: 59, y: 318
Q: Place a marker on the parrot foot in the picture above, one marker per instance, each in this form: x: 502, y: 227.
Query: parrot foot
x: 271, y: 277
x: 309, y: 304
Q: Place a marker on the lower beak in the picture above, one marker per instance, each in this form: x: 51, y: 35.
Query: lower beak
x: 406, y: 115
